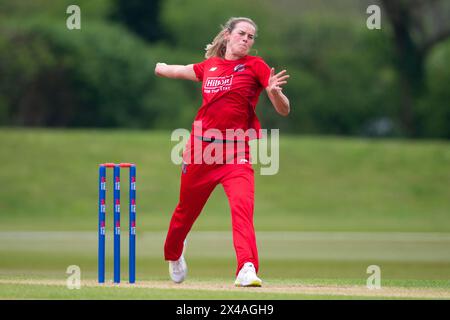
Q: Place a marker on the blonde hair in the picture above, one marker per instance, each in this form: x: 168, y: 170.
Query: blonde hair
x: 218, y: 46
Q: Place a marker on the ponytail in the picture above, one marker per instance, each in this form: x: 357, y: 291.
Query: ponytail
x: 218, y: 47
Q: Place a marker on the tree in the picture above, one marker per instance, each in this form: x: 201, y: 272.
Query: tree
x: 140, y: 16
x: 417, y: 26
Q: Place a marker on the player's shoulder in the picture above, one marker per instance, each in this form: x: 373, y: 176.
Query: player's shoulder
x: 256, y: 60
x: 208, y: 61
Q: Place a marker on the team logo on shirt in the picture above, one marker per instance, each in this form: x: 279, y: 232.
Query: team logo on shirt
x: 239, y: 67
x: 216, y: 84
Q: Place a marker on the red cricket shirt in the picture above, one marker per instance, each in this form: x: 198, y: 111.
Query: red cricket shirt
x: 231, y: 90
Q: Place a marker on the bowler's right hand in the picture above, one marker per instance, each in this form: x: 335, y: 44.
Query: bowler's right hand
x: 159, y: 69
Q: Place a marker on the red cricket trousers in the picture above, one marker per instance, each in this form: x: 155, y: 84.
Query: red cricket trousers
x: 197, y: 183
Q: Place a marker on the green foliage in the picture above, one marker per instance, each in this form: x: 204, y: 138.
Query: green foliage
x: 22, y: 58
x: 181, y: 18
x: 45, y: 9
x: 338, y: 82
x: 343, y: 76
x: 434, y: 107
x: 102, y: 76
x: 140, y: 16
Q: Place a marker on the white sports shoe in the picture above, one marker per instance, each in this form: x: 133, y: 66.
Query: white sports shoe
x: 247, y: 277
x: 178, y: 269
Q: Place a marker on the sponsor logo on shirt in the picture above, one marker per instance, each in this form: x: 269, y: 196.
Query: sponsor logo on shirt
x: 213, y: 69
x: 216, y: 84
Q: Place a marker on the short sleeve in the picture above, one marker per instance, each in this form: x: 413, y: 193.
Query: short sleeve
x: 262, y: 72
x: 198, y: 69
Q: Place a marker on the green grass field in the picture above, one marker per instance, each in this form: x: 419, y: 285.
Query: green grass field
x: 335, y: 207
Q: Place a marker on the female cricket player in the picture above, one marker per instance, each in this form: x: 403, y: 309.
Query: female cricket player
x: 232, y: 81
